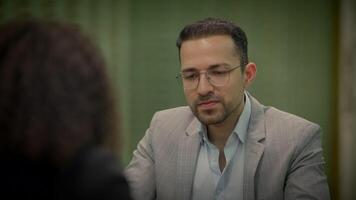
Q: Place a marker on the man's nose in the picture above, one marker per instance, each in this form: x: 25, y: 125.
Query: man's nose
x: 204, y: 86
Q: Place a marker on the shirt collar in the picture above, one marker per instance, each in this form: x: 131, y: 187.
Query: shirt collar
x: 240, y: 128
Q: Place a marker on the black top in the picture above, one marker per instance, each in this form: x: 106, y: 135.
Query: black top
x: 93, y: 174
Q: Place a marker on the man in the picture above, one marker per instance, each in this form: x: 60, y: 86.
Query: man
x: 225, y: 145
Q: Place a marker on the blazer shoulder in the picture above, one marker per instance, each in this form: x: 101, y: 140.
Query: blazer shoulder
x: 172, y: 115
x: 282, y: 119
x: 292, y: 129
x: 288, y: 131
x: 171, y: 121
x: 182, y: 110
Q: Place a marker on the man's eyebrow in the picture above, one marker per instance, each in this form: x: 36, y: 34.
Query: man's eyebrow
x: 218, y: 65
x: 213, y: 66
x: 189, y: 69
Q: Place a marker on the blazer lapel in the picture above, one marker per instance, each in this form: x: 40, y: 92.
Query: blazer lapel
x: 254, y: 147
x: 188, y: 149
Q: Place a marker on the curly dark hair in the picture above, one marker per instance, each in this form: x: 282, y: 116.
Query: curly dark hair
x: 212, y: 26
x: 54, y: 91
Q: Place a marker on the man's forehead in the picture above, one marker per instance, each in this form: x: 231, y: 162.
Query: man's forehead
x: 213, y: 41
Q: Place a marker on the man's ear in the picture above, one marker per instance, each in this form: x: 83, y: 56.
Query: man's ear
x: 249, y: 74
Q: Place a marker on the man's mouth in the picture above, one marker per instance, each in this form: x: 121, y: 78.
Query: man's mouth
x: 207, y: 104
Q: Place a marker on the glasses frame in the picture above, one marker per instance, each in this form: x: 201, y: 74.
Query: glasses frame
x: 180, y: 78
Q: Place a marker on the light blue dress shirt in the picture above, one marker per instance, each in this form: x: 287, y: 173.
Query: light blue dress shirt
x: 209, y: 182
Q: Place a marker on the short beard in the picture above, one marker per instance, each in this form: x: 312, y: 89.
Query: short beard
x: 211, y: 117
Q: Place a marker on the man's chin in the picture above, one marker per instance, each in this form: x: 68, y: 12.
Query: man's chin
x: 209, y: 119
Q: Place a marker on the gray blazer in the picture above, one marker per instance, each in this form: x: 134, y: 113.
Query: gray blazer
x: 283, y: 157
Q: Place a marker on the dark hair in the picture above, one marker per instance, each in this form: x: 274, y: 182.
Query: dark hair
x: 54, y: 91
x: 210, y: 27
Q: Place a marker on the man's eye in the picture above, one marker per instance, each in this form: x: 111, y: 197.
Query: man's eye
x: 189, y: 76
x: 217, y: 72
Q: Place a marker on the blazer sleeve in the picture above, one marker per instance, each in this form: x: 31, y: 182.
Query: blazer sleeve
x: 140, y: 171
x: 306, y: 178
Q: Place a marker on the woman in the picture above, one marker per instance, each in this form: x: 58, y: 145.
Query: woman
x: 57, y: 115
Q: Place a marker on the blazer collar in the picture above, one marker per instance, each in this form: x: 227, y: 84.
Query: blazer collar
x: 254, y: 148
x: 188, y: 150
x: 256, y: 128
x: 194, y: 127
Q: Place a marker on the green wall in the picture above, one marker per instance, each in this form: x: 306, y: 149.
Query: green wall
x: 292, y: 43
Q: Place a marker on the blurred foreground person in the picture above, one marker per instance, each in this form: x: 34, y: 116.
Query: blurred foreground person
x: 57, y: 118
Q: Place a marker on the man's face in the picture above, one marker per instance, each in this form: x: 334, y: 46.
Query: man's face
x: 212, y: 105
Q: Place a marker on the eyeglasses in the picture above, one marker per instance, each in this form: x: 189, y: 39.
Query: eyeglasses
x: 218, y: 76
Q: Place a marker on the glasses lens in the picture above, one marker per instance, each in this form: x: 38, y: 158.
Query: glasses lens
x: 187, y: 82
x: 218, y: 77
